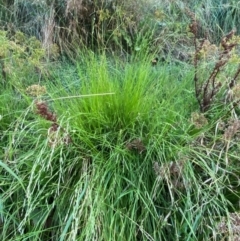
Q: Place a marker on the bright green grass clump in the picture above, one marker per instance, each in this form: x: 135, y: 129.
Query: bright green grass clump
x: 110, y: 154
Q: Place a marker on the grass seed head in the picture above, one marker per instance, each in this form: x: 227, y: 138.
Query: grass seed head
x: 36, y: 90
x: 43, y: 110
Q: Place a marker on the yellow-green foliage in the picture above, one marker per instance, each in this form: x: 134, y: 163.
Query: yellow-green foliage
x: 21, y: 59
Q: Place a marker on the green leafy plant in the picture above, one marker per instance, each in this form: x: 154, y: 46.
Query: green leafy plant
x: 20, y: 57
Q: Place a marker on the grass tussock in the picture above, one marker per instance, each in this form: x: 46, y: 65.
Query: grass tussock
x: 116, y: 157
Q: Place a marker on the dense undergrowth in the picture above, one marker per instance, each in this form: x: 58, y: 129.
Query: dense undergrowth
x: 131, y: 135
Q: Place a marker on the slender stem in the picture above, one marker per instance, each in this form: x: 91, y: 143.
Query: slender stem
x: 82, y: 96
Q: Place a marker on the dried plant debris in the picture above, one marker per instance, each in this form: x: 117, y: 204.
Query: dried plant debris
x: 233, y: 94
x: 57, y: 136
x: 137, y: 145
x: 174, y: 168
x: 232, y: 130
x: 172, y: 172
x: 232, y: 225
x: 198, y: 120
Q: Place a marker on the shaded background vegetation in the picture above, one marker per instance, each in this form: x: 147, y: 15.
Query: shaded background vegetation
x: 116, y: 26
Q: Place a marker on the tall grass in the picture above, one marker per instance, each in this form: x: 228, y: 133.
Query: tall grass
x: 115, y: 148
x: 123, y: 163
x: 99, y: 25
x: 63, y: 26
